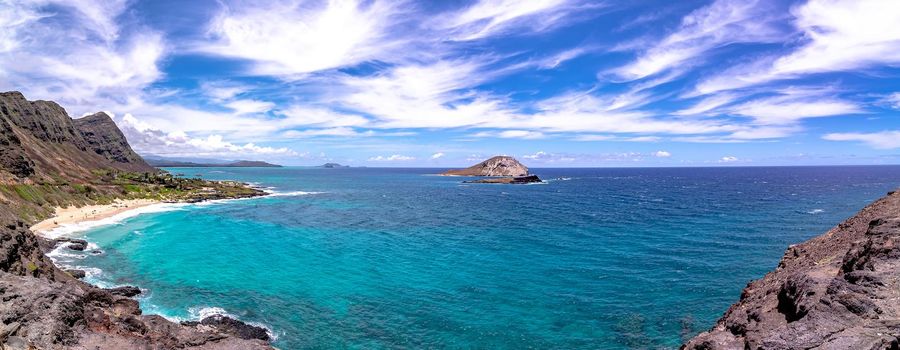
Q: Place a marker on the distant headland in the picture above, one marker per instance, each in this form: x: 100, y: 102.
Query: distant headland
x: 177, y: 163
x: 332, y: 166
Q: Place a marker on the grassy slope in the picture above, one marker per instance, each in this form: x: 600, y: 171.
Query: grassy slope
x: 35, y: 202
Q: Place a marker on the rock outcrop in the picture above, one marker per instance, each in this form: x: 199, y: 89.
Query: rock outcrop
x: 507, y: 180
x: 496, y: 166
x: 103, y: 137
x: 39, y: 142
x: 839, y: 290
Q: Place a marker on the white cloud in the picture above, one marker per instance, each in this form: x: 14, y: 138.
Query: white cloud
x: 728, y: 159
x: 549, y: 157
x: 290, y: 39
x: 893, y: 100
x: 562, y: 57
x: 590, y: 138
x: 511, y: 134
x: 880, y: 140
x: 491, y: 17
x: 643, y: 139
x: 838, y: 35
x: 336, y: 132
x: 392, y: 158
x: 600, y: 158
x: 437, y: 155
x: 147, y: 140
x: 302, y: 116
x: 708, y: 105
x: 722, y: 23
x: 223, y: 90
x: 250, y: 106
x: 788, y: 109
x: 74, y: 53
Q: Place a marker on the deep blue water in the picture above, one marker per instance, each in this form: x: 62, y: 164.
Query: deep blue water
x: 397, y: 258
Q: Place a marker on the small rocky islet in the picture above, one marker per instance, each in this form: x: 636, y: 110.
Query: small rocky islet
x: 497, y: 170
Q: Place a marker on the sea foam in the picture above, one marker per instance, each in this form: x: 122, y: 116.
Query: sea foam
x: 68, y: 229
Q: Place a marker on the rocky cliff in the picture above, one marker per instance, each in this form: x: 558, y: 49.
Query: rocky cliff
x: 496, y: 166
x: 40, y: 142
x: 46, y: 160
x: 104, y: 138
x: 840, y: 290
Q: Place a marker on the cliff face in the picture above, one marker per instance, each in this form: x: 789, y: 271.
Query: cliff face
x: 104, y: 138
x: 839, y: 290
x: 47, y: 159
x: 39, y: 141
x: 496, y: 166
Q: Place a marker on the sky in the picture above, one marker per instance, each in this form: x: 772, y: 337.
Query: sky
x: 555, y: 83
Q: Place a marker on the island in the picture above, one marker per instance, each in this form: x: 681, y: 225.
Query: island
x: 499, y: 169
x: 333, y: 166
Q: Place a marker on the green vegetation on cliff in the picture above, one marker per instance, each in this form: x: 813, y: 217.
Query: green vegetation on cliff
x: 34, y: 202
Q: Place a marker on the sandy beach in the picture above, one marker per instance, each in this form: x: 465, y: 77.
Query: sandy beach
x: 73, y: 215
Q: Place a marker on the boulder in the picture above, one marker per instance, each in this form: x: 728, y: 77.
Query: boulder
x: 125, y: 291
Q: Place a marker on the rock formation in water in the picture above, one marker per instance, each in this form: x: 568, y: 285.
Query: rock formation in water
x: 47, y: 159
x: 840, y: 290
x: 496, y: 166
x: 507, y: 180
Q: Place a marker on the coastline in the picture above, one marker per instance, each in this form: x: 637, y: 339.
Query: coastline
x: 67, y: 221
x: 71, y: 215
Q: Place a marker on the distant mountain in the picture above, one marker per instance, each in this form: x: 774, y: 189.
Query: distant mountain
x: 207, y: 163
x: 333, y: 165
x: 40, y: 142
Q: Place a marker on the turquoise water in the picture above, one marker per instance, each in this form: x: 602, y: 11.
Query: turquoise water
x: 397, y: 258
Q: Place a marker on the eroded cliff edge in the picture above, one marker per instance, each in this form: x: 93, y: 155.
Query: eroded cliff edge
x: 47, y: 159
x: 840, y: 290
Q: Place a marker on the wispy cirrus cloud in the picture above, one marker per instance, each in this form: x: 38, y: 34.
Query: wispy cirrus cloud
x: 493, y: 17
x: 721, y: 23
x: 838, y: 35
x: 879, y: 140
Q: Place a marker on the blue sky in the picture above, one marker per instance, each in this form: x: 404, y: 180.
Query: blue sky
x: 445, y: 83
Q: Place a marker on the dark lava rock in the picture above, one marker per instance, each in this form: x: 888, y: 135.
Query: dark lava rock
x: 835, y: 291
x: 125, y: 291
x: 79, y: 274
x: 74, y: 243
x: 236, y: 328
x: 507, y: 180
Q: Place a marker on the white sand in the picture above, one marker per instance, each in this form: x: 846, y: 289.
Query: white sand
x: 74, y: 215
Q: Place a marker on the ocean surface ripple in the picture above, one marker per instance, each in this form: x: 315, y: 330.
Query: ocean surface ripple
x: 394, y: 258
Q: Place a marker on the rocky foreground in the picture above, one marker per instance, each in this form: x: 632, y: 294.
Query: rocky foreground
x: 840, y: 290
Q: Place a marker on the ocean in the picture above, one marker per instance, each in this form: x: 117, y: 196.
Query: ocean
x: 378, y: 258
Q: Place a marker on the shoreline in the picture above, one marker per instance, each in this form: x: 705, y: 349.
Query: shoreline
x: 71, y: 215
x: 77, y: 217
